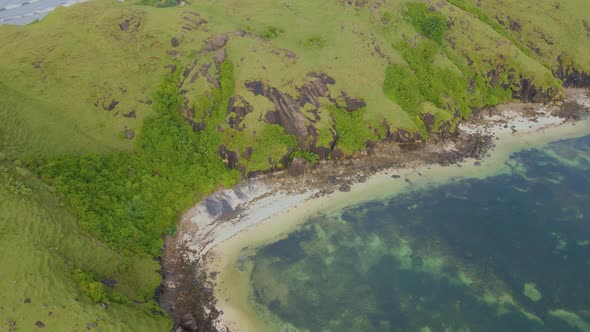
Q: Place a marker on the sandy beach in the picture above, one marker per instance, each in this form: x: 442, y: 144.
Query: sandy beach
x: 264, y: 213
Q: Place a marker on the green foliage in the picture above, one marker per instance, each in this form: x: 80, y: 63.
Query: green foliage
x: 403, y: 87
x: 88, y: 285
x: 167, y: 97
x: 430, y: 24
x: 96, y: 290
x: 274, y: 134
x: 131, y: 199
x: 159, y: 3
x: 315, y: 41
x: 310, y: 157
x: 271, y: 32
x: 270, y: 146
x: 353, y: 130
x: 386, y: 17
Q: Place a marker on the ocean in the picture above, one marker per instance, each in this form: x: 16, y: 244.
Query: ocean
x: 510, y: 252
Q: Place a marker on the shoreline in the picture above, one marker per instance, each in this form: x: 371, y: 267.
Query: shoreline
x: 219, y: 233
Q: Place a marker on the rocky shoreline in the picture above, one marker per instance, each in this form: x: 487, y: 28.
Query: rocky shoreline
x: 187, y: 291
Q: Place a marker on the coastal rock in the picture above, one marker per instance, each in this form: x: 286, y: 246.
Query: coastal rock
x: 188, y: 322
x: 345, y: 188
x: 297, y: 167
x: 571, y: 110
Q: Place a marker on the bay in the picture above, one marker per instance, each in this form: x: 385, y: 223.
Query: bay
x: 504, y: 253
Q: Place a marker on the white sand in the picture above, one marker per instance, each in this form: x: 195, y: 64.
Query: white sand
x: 269, y: 215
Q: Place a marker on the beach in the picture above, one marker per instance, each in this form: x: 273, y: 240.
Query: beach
x: 219, y: 236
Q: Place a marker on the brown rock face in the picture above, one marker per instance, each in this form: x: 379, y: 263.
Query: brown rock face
x: 287, y: 113
x: 220, y: 56
x: 214, y: 43
x: 297, y: 167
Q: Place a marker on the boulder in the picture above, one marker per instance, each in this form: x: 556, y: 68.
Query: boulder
x: 297, y: 167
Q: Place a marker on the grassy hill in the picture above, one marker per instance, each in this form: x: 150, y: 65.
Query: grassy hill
x: 115, y: 117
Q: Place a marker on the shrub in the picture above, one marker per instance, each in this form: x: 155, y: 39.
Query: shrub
x: 314, y: 41
x: 310, y: 157
x: 430, y: 24
x: 87, y: 284
x: 402, y: 86
x: 159, y: 3
x: 271, y: 32
x: 353, y: 131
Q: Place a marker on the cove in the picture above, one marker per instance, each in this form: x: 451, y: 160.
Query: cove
x: 504, y: 253
x: 498, y: 247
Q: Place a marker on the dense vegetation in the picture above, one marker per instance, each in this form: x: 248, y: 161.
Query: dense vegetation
x: 131, y: 199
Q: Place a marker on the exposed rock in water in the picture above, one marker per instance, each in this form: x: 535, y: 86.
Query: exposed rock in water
x: 39, y: 324
x: 297, y: 167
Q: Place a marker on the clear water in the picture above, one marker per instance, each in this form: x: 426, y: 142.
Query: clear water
x: 507, y: 253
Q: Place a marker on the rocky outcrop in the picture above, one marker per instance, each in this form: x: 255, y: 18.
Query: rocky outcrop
x: 286, y: 113
x: 571, y: 76
x: 237, y: 109
x: 527, y: 92
x: 214, y: 43
x: 297, y: 167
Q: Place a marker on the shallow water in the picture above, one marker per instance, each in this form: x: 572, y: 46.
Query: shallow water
x: 23, y: 12
x: 505, y: 253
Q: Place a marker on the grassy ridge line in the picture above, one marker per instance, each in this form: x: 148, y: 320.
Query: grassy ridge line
x: 549, y: 29
x: 499, y: 28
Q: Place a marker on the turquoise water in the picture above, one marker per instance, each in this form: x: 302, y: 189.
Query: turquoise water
x: 506, y: 253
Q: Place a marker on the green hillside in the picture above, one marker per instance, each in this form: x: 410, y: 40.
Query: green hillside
x: 115, y: 117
